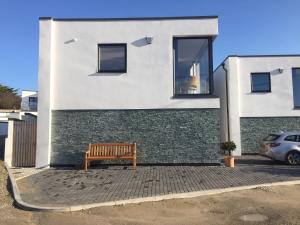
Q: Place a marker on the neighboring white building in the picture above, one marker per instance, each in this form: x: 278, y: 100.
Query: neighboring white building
x: 259, y: 95
x: 28, y: 111
x: 144, y: 80
x: 29, y: 101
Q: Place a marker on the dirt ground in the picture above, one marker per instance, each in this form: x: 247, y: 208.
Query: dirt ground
x: 276, y: 205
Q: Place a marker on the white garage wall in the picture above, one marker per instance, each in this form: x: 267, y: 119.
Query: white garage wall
x: 279, y: 102
x: 243, y: 103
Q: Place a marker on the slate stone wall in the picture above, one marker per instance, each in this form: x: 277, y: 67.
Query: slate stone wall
x: 255, y: 129
x: 162, y: 136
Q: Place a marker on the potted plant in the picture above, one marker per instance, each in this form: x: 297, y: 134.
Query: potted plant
x: 228, y: 147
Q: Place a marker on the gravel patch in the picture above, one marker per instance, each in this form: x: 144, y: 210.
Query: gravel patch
x: 5, y: 198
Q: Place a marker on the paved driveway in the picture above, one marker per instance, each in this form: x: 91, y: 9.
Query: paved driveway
x: 63, y: 186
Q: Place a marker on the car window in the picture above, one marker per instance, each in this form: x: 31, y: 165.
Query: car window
x: 298, y: 138
x: 292, y: 138
x: 271, y: 137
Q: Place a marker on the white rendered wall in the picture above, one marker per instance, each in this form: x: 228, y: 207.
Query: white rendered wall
x: 234, y: 102
x: 220, y: 91
x: 44, y: 95
x: 68, y: 78
x: 9, y: 143
x: 26, y: 93
x: 148, y: 82
x: 279, y: 102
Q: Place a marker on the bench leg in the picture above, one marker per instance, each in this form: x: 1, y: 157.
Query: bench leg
x: 134, y: 163
x: 85, y: 164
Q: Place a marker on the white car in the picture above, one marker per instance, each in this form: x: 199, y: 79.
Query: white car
x: 283, y: 147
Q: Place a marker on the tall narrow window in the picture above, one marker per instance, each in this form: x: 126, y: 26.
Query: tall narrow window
x: 296, y: 87
x: 112, y: 58
x: 192, y: 58
x: 32, y: 103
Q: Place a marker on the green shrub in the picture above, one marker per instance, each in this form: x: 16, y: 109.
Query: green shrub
x: 228, y: 146
x: 9, y: 98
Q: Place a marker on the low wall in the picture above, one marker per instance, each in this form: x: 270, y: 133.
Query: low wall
x: 255, y: 129
x: 162, y: 136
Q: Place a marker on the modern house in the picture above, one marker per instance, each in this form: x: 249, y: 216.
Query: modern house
x: 29, y: 101
x: 143, y: 80
x: 258, y: 95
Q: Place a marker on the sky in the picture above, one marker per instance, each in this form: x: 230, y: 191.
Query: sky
x: 245, y: 27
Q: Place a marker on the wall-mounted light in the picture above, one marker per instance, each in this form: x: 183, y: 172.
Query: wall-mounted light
x: 71, y: 41
x: 280, y: 70
x: 149, y: 40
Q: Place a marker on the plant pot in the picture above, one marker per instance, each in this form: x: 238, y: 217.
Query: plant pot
x: 229, y: 161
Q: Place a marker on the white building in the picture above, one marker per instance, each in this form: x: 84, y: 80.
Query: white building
x: 259, y: 95
x: 29, y: 101
x: 144, y: 80
x: 28, y: 112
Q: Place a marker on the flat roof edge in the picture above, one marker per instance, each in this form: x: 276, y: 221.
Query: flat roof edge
x: 45, y: 18
x: 130, y: 18
x: 255, y: 56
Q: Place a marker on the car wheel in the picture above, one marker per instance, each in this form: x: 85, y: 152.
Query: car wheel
x: 293, y: 158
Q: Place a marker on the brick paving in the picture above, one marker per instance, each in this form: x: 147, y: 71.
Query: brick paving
x: 63, y: 186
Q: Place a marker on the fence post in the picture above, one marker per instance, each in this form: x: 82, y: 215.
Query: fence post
x: 8, y: 153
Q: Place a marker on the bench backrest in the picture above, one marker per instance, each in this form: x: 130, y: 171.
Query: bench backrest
x: 112, y: 149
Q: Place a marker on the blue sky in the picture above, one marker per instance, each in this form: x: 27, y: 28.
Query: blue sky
x: 245, y: 27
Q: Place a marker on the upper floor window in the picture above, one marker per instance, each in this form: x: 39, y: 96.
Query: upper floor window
x: 296, y: 85
x: 112, y: 58
x: 260, y: 82
x: 33, y: 99
x: 192, y: 65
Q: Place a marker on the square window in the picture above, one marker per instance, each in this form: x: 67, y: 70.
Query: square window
x: 33, y: 99
x: 261, y: 82
x: 112, y: 58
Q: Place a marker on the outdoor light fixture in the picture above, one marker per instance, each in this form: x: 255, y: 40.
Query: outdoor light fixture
x: 71, y: 41
x: 280, y: 70
x: 149, y: 40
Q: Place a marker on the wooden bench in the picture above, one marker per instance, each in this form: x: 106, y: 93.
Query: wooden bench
x: 102, y: 151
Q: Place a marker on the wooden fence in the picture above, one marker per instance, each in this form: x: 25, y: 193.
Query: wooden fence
x: 24, y: 143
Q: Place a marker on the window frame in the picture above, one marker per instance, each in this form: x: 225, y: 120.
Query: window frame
x: 294, y: 68
x: 261, y: 91
x: 125, y: 57
x: 210, y: 67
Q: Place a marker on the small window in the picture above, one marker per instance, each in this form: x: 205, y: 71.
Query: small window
x: 261, y: 82
x: 33, y: 99
x: 292, y: 138
x: 296, y: 85
x: 112, y: 58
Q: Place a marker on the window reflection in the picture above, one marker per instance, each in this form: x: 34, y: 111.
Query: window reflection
x: 296, y: 85
x: 261, y: 82
x: 192, y: 66
x: 112, y: 57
